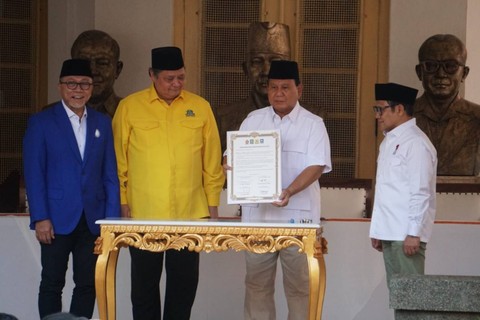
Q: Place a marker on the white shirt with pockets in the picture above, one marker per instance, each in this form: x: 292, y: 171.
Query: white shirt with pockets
x: 305, y: 143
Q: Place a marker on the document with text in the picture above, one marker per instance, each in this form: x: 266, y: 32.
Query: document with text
x: 255, y: 159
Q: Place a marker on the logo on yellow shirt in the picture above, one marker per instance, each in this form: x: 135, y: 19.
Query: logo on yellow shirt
x: 190, y: 113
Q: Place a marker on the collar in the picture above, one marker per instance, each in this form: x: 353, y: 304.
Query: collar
x: 292, y: 116
x: 71, y: 114
x: 399, y: 130
x: 153, y: 95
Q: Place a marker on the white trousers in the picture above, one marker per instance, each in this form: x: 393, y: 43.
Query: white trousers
x: 260, y: 284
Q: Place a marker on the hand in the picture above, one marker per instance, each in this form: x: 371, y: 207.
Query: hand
x: 225, y: 166
x: 377, y: 244
x: 125, y: 211
x: 44, y: 231
x: 411, y: 245
x: 283, y: 199
x: 213, y: 212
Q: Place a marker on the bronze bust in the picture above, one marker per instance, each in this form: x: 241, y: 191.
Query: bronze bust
x: 267, y: 41
x: 451, y: 122
x: 104, y: 55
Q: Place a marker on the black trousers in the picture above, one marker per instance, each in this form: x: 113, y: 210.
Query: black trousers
x: 181, y: 283
x: 54, y: 259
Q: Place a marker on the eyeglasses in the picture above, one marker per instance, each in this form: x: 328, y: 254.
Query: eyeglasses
x: 379, y: 109
x: 72, y: 85
x: 449, y: 66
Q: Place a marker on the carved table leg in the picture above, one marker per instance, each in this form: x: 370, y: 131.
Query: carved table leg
x: 111, y: 290
x: 317, y: 276
x: 105, y: 272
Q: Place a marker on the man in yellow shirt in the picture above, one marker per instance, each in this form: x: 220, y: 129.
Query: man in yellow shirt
x: 168, y: 155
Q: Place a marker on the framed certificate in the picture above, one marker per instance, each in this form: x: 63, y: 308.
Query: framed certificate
x: 255, y: 158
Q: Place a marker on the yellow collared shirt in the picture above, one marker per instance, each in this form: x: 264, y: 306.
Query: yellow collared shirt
x: 168, y: 156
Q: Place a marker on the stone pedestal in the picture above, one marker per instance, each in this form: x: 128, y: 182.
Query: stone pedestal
x: 435, y: 297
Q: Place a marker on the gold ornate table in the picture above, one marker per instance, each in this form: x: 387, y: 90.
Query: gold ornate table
x: 206, y: 235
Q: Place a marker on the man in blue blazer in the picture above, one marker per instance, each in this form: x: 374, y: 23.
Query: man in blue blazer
x: 71, y: 181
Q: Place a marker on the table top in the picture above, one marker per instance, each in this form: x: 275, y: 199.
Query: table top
x: 208, y: 222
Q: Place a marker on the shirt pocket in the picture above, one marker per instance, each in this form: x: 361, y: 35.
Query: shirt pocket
x: 300, y: 201
x: 146, y: 132
x: 191, y: 132
x: 192, y: 124
x: 295, y: 147
x: 293, y: 160
x: 395, y: 170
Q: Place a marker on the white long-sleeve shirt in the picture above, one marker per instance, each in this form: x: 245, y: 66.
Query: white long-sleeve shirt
x: 79, y: 126
x: 305, y: 143
x: 405, y: 190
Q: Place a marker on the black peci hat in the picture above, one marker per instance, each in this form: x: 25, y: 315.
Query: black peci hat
x: 167, y: 58
x: 284, y: 69
x: 76, y: 67
x: 395, y: 92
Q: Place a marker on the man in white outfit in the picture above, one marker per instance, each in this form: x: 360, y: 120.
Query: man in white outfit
x: 305, y: 157
x: 404, y: 208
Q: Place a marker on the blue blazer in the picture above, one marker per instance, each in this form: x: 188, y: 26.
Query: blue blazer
x: 60, y: 185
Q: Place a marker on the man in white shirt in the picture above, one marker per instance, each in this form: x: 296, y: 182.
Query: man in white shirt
x: 404, y: 207
x: 305, y: 157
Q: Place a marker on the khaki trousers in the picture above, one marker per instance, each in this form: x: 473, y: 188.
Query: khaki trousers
x: 260, y: 284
